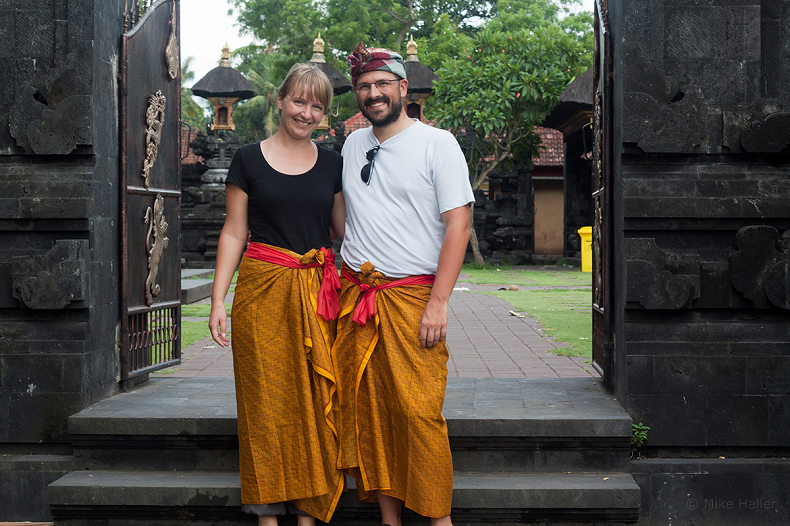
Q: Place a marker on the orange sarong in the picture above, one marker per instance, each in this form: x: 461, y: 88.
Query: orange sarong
x: 286, y: 394
x: 393, y: 437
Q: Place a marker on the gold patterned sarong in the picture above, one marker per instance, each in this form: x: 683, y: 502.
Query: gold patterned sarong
x: 393, y: 437
x: 286, y: 394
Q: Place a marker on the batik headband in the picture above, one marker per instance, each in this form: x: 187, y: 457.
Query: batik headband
x: 363, y: 60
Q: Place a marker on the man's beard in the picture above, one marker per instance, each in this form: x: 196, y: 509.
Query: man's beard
x: 395, y: 107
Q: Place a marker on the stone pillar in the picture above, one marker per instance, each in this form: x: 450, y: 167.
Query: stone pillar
x: 203, y: 201
x: 702, y: 253
x: 505, y: 224
x: 59, y: 228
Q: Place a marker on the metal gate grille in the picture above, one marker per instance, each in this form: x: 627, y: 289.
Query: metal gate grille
x: 154, y: 338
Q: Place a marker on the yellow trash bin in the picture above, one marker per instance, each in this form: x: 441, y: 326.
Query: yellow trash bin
x: 586, y: 234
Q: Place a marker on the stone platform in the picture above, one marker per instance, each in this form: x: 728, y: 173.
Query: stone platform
x: 524, y: 450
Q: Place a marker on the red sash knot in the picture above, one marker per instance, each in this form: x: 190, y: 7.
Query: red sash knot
x: 328, y: 305
x: 366, y: 308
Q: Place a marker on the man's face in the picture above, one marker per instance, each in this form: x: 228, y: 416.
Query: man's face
x: 381, y: 106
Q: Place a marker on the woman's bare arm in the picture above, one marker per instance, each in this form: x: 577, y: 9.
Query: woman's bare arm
x: 232, y: 241
x: 338, y: 217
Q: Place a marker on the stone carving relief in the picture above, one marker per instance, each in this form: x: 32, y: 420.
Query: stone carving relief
x: 157, y: 228
x: 171, y: 51
x: 51, y: 114
x: 737, y: 120
x: 597, y: 247
x: 53, y: 280
x: 761, y: 266
x: 155, y: 119
x: 660, y: 280
x: 661, y: 115
x: 771, y: 135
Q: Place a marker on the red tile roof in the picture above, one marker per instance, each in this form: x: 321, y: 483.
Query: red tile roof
x: 186, y: 138
x: 356, y: 122
x: 551, y: 140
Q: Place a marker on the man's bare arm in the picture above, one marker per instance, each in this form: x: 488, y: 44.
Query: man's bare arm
x: 433, y: 325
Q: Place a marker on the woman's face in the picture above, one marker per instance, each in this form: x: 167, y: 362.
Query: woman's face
x: 300, y: 114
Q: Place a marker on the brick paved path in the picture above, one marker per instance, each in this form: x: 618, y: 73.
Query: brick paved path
x: 484, y: 340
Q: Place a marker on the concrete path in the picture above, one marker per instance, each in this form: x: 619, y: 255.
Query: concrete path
x: 484, y: 340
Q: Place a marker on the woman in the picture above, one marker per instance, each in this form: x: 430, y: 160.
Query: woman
x: 287, y: 192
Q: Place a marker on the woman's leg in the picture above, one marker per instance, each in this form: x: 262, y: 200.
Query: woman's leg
x: 444, y: 521
x: 267, y: 513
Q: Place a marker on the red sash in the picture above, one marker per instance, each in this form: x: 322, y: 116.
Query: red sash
x: 366, y: 308
x: 328, y: 305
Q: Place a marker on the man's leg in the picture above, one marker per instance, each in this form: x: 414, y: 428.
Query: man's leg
x: 391, y: 512
x: 390, y: 509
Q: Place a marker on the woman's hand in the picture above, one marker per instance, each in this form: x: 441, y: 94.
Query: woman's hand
x: 217, y: 323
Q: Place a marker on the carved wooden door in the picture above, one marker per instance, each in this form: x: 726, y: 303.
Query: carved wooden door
x: 603, y: 343
x: 150, y: 109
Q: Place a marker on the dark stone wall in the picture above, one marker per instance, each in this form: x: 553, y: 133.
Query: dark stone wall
x: 702, y: 247
x: 59, y: 218
x: 58, y: 214
x: 705, y: 231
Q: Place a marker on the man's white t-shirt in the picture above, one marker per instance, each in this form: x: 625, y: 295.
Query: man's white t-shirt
x: 395, y: 222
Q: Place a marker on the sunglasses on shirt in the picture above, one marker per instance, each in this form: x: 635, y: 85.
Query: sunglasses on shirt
x: 367, y: 169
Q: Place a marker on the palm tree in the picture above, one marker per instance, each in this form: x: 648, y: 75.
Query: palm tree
x: 191, y: 111
x: 257, y: 118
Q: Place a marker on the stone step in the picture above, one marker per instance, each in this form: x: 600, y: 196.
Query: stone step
x: 194, y: 290
x: 23, y: 484
x: 206, y: 497
x: 494, y: 425
x: 196, y: 273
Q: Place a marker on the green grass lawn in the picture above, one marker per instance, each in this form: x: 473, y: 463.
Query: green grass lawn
x: 192, y: 331
x: 200, y: 310
x: 508, y: 276
x: 565, y: 314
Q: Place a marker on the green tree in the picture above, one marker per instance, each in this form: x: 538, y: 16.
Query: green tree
x: 286, y: 30
x: 515, y: 15
x: 287, y: 27
x: 494, y: 97
x: 191, y: 111
x: 445, y: 42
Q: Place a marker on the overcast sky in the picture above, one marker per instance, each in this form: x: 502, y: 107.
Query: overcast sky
x: 206, y: 27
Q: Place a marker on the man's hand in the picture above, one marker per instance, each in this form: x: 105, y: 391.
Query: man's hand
x: 433, y: 324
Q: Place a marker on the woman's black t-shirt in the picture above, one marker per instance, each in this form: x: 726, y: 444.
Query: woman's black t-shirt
x: 288, y: 211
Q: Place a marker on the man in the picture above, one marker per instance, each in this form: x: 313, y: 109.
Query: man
x: 407, y: 228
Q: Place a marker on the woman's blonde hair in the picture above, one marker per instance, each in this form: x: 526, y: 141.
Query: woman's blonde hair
x: 307, y: 80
